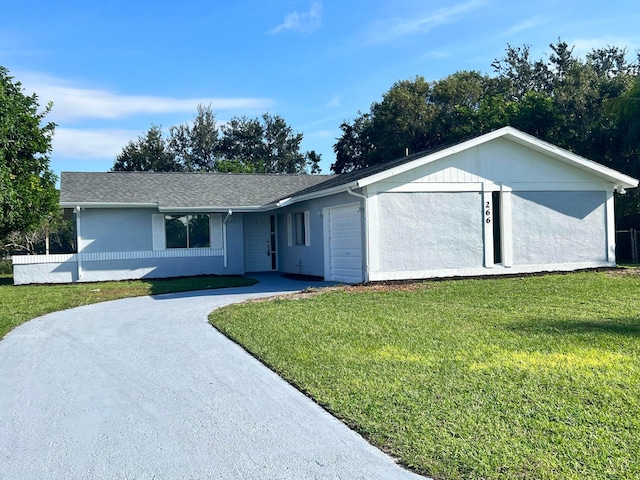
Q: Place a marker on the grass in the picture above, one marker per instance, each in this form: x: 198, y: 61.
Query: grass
x: 21, y: 303
x: 515, y: 378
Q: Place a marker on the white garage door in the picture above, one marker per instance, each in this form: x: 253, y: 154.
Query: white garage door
x: 343, y: 260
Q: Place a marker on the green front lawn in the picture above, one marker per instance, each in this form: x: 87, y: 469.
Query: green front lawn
x: 21, y: 303
x: 535, y: 377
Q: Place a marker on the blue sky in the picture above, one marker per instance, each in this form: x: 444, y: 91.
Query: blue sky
x: 112, y: 68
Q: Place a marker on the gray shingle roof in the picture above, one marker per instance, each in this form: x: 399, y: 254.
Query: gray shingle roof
x: 192, y: 190
x: 346, y: 178
x: 226, y: 190
x: 182, y: 190
x: 354, y: 176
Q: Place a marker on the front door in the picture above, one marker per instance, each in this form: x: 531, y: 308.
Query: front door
x: 259, y: 243
x: 343, y: 247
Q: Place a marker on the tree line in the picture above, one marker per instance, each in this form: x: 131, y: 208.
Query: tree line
x: 589, y: 105
x: 28, y: 196
x: 265, y: 144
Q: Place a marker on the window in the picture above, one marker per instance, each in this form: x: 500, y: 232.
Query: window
x: 198, y: 231
x: 298, y: 228
x: 298, y: 225
x: 187, y: 231
x: 497, y: 228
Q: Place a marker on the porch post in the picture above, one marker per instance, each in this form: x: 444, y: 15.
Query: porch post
x: 611, y: 227
x: 79, y: 241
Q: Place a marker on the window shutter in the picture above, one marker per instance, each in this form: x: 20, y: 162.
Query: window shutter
x: 307, y: 228
x: 289, y: 231
x: 158, y: 232
x: 215, y: 225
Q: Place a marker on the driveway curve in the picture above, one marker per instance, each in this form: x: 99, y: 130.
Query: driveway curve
x: 145, y: 388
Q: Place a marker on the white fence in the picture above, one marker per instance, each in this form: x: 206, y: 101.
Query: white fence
x: 73, y: 267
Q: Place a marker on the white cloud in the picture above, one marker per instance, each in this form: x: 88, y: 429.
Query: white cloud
x: 582, y: 46
x: 306, y: 22
x: 522, y: 26
x: 323, y: 134
x: 334, y: 102
x: 73, y: 103
x: 388, y: 30
x: 95, y: 144
x: 436, y: 55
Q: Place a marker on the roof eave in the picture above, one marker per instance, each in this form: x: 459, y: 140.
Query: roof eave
x: 212, y: 208
x: 318, y: 194
x: 68, y: 204
x: 428, y: 158
x: 615, y: 177
x: 169, y: 208
x: 620, y: 180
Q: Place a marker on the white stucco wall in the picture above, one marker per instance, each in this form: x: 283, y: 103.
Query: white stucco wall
x: 49, y: 272
x: 116, y: 230
x: 150, y: 268
x: 429, y: 231
x: 117, y: 244
x: 555, y: 216
x: 557, y: 227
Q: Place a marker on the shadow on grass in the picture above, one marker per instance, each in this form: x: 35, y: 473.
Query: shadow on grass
x: 157, y: 286
x: 625, y: 326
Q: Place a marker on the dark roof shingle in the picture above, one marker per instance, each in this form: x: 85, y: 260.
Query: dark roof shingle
x: 192, y: 190
x: 354, y: 176
x: 182, y: 190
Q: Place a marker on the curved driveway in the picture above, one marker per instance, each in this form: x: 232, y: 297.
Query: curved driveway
x: 145, y: 388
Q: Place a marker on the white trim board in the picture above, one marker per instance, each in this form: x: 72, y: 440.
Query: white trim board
x: 510, y: 133
x: 481, y: 271
x: 110, y: 256
x: 482, y: 186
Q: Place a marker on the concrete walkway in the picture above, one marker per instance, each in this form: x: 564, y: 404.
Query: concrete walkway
x: 145, y: 388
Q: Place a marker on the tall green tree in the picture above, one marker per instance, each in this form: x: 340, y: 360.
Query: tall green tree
x: 27, y: 185
x: 586, y: 105
x: 560, y: 99
x: 54, y: 234
x: 241, y: 143
x: 414, y: 115
x: 265, y: 144
x: 196, y: 145
x: 353, y: 148
x: 625, y: 111
x: 149, y: 153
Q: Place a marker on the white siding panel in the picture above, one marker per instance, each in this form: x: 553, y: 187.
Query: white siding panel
x: 37, y: 259
x: 343, y: 223
x: 499, y: 161
x: 347, y: 275
x: 345, y: 244
x: 346, y: 262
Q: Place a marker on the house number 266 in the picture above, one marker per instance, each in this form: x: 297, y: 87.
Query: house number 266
x: 487, y: 212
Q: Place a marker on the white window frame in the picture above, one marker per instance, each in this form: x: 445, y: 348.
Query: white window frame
x: 159, y: 233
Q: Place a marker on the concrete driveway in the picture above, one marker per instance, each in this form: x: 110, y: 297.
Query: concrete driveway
x: 145, y: 388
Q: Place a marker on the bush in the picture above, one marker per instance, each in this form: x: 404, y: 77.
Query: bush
x: 5, y: 267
